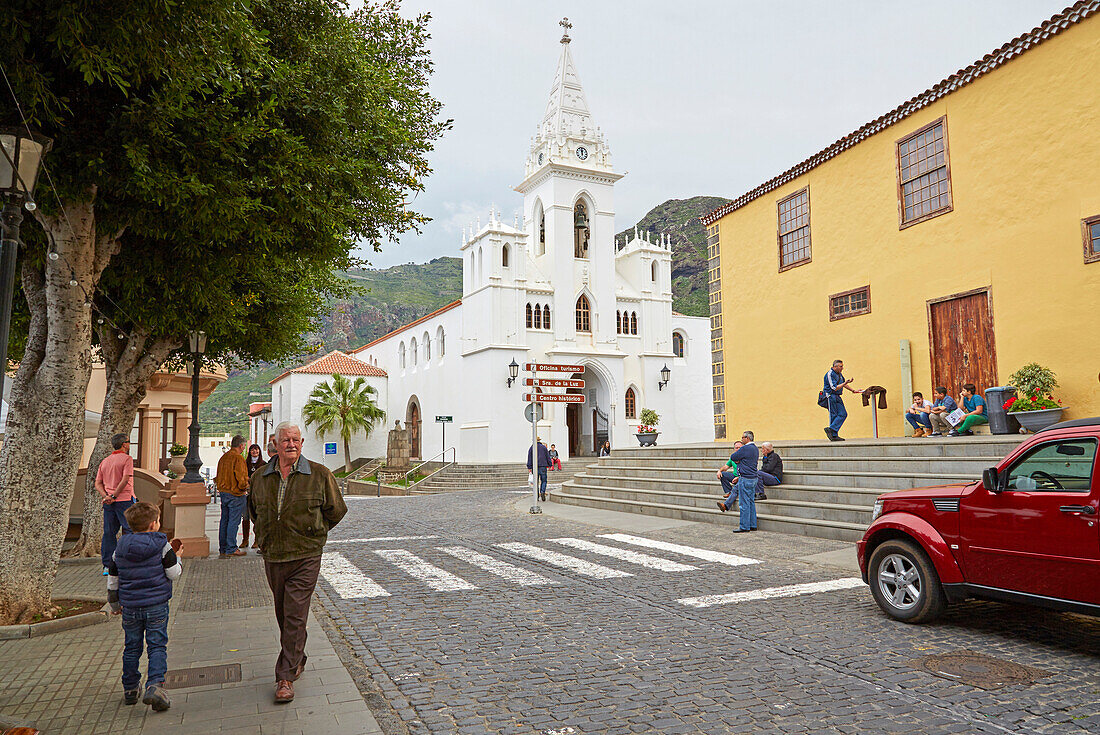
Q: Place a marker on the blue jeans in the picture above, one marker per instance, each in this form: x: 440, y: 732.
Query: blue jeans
x: 746, y: 503
x: 920, y: 421
x: 542, y: 480
x: 837, y: 413
x: 768, y: 479
x: 232, y: 509
x: 113, y: 522
x: 727, y: 479
x: 145, y: 627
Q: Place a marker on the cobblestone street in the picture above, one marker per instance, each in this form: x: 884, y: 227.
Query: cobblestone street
x: 468, y: 615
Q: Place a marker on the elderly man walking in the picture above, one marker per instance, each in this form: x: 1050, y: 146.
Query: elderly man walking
x: 114, y: 481
x: 232, y: 482
x: 293, y: 504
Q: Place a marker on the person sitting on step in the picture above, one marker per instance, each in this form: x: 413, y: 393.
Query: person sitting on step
x: 974, y: 405
x: 918, y: 415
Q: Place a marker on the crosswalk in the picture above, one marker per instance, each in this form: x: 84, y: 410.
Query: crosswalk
x: 619, y: 557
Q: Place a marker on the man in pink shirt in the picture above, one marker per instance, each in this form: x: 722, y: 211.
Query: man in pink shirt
x: 115, y: 484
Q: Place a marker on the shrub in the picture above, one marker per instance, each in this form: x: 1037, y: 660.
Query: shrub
x: 649, y: 419
x: 177, y: 449
x: 1034, y: 380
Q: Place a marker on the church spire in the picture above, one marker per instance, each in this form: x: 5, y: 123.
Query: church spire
x: 567, y: 111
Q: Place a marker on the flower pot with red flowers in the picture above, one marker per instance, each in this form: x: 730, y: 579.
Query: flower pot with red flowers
x: 647, y: 431
x: 1034, y: 405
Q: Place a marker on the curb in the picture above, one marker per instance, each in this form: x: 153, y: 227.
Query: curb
x: 36, y: 630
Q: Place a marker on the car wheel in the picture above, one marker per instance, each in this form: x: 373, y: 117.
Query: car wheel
x: 904, y: 582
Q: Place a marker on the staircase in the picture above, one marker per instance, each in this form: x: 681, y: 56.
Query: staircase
x: 828, y: 488
x: 489, y: 476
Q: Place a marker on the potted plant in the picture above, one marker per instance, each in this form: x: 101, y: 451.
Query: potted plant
x: 647, y: 432
x: 175, y: 465
x: 1034, y: 405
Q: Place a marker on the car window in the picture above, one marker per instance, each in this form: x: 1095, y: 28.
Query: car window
x: 1064, y: 466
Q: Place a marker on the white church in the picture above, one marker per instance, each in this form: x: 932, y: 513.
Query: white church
x: 560, y: 290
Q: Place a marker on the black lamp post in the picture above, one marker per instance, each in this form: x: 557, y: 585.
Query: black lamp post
x: 665, y: 375
x: 21, y: 155
x: 193, y: 464
x: 513, y: 371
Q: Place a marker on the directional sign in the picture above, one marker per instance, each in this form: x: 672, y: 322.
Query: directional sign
x: 554, y: 397
x: 554, y: 382
x: 444, y: 419
x: 541, y: 367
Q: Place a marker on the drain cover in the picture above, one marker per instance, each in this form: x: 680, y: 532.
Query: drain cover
x: 202, y: 676
x: 978, y: 670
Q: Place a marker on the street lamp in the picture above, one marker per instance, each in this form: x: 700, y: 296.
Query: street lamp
x: 21, y: 155
x: 197, y: 344
x: 513, y: 371
x: 665, y: 375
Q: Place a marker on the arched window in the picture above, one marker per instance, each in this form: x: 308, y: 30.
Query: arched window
x: 427, y: 347
x: 441, y: 344
x: 581, y: 230
x: 538, y: 317
x: 633, y: 322
x: 618, y: 322
x: 401, y: 355
x: 584, y: 310
x: 504, y: 258
x: 480, y: 266
x: 412, y: 350
x: 530, y: 321
x: 652, y: 271
x: 677, y: 344
x: 630, y: 403
x: 546, y: 316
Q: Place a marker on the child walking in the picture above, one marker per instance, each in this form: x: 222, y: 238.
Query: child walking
x: 139, y: 585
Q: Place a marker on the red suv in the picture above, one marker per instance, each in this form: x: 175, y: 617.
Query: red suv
x: 1028, y: 532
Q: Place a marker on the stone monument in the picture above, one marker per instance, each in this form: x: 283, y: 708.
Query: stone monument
x: 397, y: 454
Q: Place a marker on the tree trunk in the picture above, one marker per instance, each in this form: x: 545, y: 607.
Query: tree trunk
x: 129, y: 364
x: 45, y: 430
x: 347, y: 458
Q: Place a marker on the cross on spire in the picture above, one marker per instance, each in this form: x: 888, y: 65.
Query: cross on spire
x: 565, y: 24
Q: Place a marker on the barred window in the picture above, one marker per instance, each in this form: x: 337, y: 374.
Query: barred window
x: 538, y: 317
x: 546, y: 316
x: 584, y: 311
x: 1091, y: 229
x: 850, y: 303
x: 618, y: 322
x: 924, y: 178
x: 794, y: 230
x: 633, y: 322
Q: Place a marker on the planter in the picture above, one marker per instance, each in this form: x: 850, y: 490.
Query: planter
x: 176, y: 464
x: 1037, y: 420
x: 648, y: 439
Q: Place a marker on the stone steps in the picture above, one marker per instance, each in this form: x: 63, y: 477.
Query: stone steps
x: 828, y: 490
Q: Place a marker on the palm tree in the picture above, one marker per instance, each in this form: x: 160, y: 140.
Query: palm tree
x: 345, y: 407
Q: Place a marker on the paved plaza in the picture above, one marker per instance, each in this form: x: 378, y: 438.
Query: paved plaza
x: 471, y: 616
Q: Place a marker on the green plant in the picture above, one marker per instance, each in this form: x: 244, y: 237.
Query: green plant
x: 345, y: 407
x: 1034, y: 380
x: 177, y: 450
x: 649, y: 419
x: 1030, y: 403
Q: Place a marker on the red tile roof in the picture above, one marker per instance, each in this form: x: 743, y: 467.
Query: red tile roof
x: 255, y: 408
x: 424, y: 318
x: 336, y: 362
x: 1069, y: 17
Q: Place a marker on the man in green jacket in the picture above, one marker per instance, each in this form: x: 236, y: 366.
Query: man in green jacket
x: 293, y: 503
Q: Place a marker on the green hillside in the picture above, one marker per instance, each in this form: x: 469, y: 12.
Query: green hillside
x: 395, y: 296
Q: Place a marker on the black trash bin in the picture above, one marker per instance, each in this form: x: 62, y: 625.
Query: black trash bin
x: 1000, y: 421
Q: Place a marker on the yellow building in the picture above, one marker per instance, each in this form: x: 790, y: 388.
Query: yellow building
x: 954, y: 239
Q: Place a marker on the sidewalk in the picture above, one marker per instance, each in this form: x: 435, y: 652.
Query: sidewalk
x: 69, y: 683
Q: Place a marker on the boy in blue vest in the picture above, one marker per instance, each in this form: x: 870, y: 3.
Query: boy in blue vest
x: 139, y: 585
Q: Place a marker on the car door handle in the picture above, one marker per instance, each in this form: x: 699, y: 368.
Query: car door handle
x: 1086, y: 509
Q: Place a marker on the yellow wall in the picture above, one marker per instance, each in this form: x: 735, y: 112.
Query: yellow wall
x: 1024, y: 147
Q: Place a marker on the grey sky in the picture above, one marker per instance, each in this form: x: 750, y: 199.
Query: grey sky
x: 694, y: 97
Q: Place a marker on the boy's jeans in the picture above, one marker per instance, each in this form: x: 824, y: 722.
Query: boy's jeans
x: 145, y: 627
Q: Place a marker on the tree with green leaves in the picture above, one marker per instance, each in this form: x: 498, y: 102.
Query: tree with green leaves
x: 269, y: 135
x: 344, y: 407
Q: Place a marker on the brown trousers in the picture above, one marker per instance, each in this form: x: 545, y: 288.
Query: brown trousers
x: 292, y: 584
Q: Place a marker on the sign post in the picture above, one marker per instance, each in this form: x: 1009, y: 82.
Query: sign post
x: 534, y: 411
x: 444, y: 420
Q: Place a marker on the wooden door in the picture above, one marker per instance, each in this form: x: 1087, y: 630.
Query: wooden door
x: 963, y: 346
x: 573, y: 423
x: 412, y: 423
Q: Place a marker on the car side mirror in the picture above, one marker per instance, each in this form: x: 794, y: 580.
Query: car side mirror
x: 990, y: 480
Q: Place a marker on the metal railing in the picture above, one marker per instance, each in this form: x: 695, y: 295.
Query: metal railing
x: 443, y: 456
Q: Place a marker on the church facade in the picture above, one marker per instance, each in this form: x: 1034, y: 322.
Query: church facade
x: 556, y: 288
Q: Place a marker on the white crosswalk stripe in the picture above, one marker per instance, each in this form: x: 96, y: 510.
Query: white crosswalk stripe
x: 705, y: 554
x: 584, y: 568
x: 502, y: 569
x: 436, y: 578
x: 376, y: 539
x: 768, y: 593
x: 627, y: 555
x: 346, y: 579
